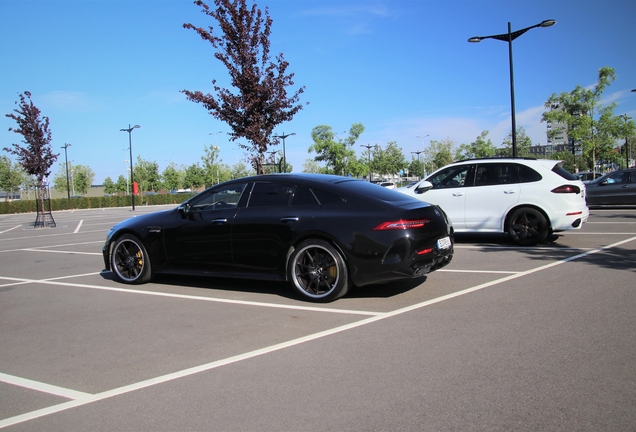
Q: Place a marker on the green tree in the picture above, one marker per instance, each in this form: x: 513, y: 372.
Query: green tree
x: 194, y: 177
x: 416, y: 166
x: 438, y: 154
x: 11, y: 175
x: 524, y: 142
x: 146, y: 175
x: 83, y: 177
x: 590, y: 124
x: 480, y: 148
x: 240, y: 170
x: 242, y: 43
x: 388, y: 161
x: 122, y: 185
x: 211, y: 164
x: 172, y: 177
x: 109, y: 186
x: 311, y: 166
x: 337, y: 153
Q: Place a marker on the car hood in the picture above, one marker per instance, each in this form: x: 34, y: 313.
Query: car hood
x: 146, y: 220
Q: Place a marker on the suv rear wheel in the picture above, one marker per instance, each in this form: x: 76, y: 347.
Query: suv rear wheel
x: 528, y: 226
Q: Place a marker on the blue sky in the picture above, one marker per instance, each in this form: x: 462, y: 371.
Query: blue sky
x: 402, y: 68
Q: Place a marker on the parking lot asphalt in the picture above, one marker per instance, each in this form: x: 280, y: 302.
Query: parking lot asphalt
x: 504, y: 338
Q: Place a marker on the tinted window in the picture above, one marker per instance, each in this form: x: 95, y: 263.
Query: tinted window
x: 270, y: 194
x: 219, y: 198
x: 494, y: 174
x: 527, y: 174
x: 618, y: 178
x: 558, y: 168
x: 303, y: 196
x: 450, y: 177
x: 325, y: 197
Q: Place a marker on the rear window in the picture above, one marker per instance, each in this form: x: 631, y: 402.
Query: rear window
x: 527, y: 174
x: 373, y: 191
x: 558, y: 169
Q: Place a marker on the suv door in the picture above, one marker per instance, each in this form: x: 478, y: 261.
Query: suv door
x: 449, y: 192
x: 495, y: 190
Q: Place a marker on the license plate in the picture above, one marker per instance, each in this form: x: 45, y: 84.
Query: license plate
x: 444, y: 243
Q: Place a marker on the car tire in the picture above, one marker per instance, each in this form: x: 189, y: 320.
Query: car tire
x: 528, y: 226
x: 318, y: 271
x: 130, y: 261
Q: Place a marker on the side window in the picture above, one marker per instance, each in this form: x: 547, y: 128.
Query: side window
x: 327, y: 197
x: 270, y: 194
x: 219, y: 198
x: 619, y: 178
x: 494, y: 174
x: 450, y: 177
x: 303, y: 196
x: 527, y: 174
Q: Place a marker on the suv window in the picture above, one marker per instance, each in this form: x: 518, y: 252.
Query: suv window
x: 528, y: 175
x: 494, y: 174
x: 451, y: 177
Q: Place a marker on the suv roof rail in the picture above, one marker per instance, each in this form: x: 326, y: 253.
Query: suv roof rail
x: 496, y: 158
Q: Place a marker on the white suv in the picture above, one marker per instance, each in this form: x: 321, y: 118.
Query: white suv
x: 528, y: 198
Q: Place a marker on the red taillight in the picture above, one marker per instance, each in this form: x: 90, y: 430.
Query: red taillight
x: 402, y: 224
x: 567, y: 189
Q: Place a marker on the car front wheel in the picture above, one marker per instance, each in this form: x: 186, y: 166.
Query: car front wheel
x: 129, y: 260
x: 318, y: 271
x: 528, y: 226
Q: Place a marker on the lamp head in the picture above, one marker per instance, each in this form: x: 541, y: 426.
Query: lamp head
x: 548, y: 23
x: 475, y: 39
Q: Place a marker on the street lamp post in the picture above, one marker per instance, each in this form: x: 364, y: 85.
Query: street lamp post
x: 68, y: 181
x: 418, y: 153
x: 509, y: 37
x: 132, y: 178
x: 283, y: 136
x: 627, y: 118
x: 368, y: 147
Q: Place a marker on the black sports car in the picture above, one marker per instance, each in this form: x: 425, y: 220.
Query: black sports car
x: 320, y: 232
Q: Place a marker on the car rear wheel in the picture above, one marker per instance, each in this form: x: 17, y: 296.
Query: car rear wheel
x: 318, y: 271
x: 528, y: 226
x: 129, y: 260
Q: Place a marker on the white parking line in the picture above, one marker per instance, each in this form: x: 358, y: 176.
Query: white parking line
x: 53, y: 281
x: 79, y: 225
x: 62, y: 252
x: 45, y: 388
x: 85, y: 398
x: 283, y: 345
x: 10, y: 229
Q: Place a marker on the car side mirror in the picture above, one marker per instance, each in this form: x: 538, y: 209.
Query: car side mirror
x: 185, y: 210
x: 423, y: 187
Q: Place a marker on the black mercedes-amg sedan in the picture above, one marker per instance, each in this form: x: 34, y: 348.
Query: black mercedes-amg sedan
x: 322, y: 233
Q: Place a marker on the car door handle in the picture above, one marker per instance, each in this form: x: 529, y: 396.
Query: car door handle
x: 510, y: 192
x: 458, y: 194
x: 289, y: 219
x: 218, y: 221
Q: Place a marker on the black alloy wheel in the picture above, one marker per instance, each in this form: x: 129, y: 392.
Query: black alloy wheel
x: 528, y: 226
x: 318, y: 271
x: 129, y: 260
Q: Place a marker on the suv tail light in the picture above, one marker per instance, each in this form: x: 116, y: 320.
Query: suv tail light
x: 402, y: 224
x: 567, y: 189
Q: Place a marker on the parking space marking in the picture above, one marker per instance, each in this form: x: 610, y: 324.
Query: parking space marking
x: 10, y: 229
x: 51, y: 235
x: 477, y: 271
x: 53, y: 281
x: 272, y: 348
x: 79, y: 225
x: 62, y: 251
x: 43, y: 387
